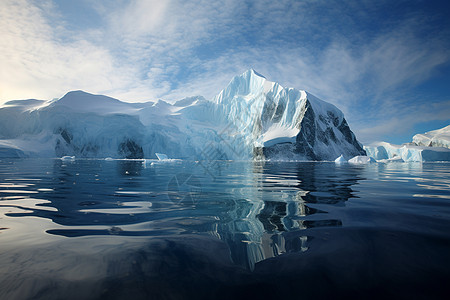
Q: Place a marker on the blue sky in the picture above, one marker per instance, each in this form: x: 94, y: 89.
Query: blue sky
x: 385, y: 64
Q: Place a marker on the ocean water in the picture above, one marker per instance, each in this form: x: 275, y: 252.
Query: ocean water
x: 128, y: 229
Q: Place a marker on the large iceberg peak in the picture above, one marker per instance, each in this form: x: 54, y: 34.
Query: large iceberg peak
x: 248, y: 83
x: 254, y: 73
x: 285, y: 123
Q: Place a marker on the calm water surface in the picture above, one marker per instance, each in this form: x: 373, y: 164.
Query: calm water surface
x: 96, y: 229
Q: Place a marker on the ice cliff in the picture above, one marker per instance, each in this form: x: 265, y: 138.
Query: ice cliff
x: 251, y: 118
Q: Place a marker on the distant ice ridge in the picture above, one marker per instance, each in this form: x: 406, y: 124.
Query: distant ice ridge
x: 252, y: 118
x: 435, y: 138
x: 385, y: 151
x: 430, y: 146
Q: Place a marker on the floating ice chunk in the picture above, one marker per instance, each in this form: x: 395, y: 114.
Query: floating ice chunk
x: 109, y: 158
x: 362, y: 160
x: 393, y: 159
x: 340, y: 160
x: 161, y: 156
x: 67, y: 157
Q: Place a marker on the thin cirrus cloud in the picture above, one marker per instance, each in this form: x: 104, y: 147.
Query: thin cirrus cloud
x: 34, y: 64
x: 353, y: 54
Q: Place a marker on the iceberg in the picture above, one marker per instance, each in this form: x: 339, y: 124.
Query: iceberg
x: 407, y: 152
x: 252, y: 118
x: 361, y: 160
x: 430, y: 146
x: 435, y: 138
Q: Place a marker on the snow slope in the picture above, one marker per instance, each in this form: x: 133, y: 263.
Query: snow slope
x: 435, y: 138
x: 251, y: 118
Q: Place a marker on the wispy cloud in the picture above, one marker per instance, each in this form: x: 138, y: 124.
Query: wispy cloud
x: 37, y: 63
x: 404, y: 124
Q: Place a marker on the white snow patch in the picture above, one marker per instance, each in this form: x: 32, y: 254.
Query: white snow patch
x: 279, y: 134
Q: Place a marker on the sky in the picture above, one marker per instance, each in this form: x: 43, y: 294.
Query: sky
x: 385, y: 64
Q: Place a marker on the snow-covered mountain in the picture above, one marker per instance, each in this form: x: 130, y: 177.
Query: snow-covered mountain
x: 435, y: 138
x: 251, y: 118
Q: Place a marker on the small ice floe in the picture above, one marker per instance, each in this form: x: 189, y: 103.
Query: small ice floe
x: 362, y: 160
x: 162, y: 156
x: 109, y: 158
x: 340, y: 160
x: 69, y: 158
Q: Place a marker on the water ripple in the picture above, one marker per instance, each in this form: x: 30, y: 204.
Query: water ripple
x: 260, y: 210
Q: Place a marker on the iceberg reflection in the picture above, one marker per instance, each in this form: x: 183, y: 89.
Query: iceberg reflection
x: 259, y: 209
x: 273, y: 213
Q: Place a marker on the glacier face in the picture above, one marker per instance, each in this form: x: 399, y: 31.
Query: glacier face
x: 251, y: 118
